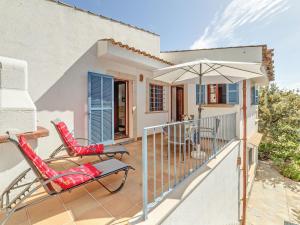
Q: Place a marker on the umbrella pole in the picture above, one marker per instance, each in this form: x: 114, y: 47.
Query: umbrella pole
x: 197, y: 152
x: 200, y: 104
x: 200, y: 92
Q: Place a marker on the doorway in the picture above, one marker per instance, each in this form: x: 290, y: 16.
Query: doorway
x: 120, y: 109
x: 177, y: 102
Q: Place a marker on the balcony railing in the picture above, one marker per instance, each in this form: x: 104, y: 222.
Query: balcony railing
x: 173, y: 151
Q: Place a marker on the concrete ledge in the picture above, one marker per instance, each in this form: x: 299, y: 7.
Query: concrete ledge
x: 40, y: 132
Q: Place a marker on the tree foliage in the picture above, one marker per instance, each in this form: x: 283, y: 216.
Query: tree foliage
x: 279, y: 114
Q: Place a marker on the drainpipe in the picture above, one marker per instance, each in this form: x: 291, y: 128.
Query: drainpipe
x: 244, y: 153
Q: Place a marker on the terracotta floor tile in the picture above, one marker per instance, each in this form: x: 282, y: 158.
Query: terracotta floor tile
x: 97, y: 215
x: 118, y: 204
x: 18, y: 218
x: 74, y: 194
x: 79, y: 203
x: 92, y: 204
x: 49, y: 212
x: 127, y: 215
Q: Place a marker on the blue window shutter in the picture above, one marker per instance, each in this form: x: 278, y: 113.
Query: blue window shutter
x: 254, y: 95
x: 100, y: 106
x: 198, y: 94
x: 233, y: 93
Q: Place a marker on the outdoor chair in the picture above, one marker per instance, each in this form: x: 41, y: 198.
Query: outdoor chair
x: 54, y: 182
x: 74, y: 149
x: 188, y: 132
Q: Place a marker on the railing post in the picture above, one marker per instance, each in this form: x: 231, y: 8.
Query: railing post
x: 145, y: 174
x: 214, y: 133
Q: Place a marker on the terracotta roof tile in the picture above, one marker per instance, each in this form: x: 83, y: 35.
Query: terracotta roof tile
x: 135, y: 50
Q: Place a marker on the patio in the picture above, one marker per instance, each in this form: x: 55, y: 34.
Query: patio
x: 92, y: 204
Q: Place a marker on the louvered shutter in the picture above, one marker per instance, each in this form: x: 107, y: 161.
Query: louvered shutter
x: 198, y: 96
x: 233, y: 93
x: 254, y: 95
x: 100, y: 103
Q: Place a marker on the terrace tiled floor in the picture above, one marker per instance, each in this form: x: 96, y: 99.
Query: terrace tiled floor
x: 92, y: 204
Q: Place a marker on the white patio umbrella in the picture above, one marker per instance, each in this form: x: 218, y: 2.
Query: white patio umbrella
x: 209, y: 72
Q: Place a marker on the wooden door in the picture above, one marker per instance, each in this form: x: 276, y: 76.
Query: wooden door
x: 179, y: 103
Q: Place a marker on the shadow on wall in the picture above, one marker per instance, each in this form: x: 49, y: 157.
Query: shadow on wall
x: 11, y: 155
x: 69, y: 93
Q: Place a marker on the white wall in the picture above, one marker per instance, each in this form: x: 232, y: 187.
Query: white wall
x: 59, y: 44
x: 252, y: 125
x: 214, y: 201
x: 240, y: 54
x: 146, y: 118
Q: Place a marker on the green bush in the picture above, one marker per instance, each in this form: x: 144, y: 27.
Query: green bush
x: 290, y: 170
x: 279, y: 114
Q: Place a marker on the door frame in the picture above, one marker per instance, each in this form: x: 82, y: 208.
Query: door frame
x: 126, y: 108
x: 177, y: 86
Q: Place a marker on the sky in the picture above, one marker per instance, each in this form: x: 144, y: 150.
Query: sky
x: 216, y: 23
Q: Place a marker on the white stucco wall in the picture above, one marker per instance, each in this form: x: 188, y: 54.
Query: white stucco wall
x: 214, y: 201
x: 59, y: 44
x: 239, y: 54
x: 209, y: 196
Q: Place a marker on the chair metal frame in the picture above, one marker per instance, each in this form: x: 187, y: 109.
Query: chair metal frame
x: 16, y: 204
x: 64, y: 147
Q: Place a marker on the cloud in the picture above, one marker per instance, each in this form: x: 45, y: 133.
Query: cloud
x: 238, y: 13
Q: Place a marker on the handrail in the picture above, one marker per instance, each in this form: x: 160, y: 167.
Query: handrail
x: 190, y: 150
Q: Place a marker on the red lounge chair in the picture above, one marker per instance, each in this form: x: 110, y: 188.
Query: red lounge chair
x: 73, y: 148
x: 54, y: 182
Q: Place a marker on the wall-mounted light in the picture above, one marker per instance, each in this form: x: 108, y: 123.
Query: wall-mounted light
x: 141, y: 77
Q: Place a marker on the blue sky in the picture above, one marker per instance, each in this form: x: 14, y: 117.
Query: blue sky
x: 216, y: 23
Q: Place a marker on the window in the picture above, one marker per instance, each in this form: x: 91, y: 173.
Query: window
x: 254, y: 95
x: 157, y: 98
x: 216, y: 93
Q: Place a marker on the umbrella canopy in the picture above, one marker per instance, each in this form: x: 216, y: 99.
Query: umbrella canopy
x: 211, y: 71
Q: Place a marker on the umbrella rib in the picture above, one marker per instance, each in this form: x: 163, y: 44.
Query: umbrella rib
x: 239, y: 69
x: 211, y: 68
x: 220, y: 73
x: 189, y: 71
x: 173, y: 71
x: 192, y: 68
x: 179, y: 76
x: 164, y: 74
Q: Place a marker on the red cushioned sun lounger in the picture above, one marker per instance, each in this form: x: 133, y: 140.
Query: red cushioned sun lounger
x: 54, y: 182
x: 73, y: 148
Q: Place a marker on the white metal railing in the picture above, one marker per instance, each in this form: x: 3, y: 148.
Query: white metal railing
x: 171, y: 152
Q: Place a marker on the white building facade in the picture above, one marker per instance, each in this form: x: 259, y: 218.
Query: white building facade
x: 95, y: 74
